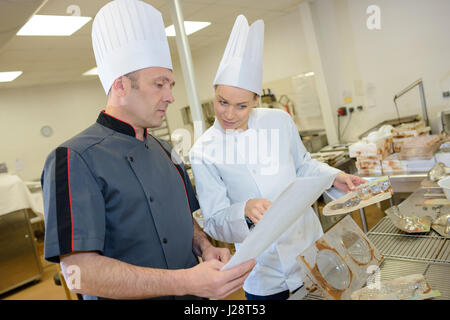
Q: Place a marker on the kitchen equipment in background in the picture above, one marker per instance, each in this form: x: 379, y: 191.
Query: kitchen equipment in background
x: 3, y: 168
x: 314, y: 140
x: 444, y: 183
x: 19, y: 260
x: 337, y: 264
x: 438, y: 172
x: 331, y: 158
x: 162, y: 132
x: 444, y: 121
x: 418, y: 83
x: 269, y: 100
x: 392, y: 122
x: 443, y: 154
x: 442, y: 225
x: 288, y: 105
x: 208, y: 114
x: 337, y: 147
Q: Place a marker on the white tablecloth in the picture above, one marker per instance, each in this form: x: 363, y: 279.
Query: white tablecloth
x: 15, y: 195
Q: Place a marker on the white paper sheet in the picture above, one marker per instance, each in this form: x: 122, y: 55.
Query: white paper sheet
x: 284, y: 211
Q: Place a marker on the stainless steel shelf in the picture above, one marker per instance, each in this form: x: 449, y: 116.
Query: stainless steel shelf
x: 438, y: 276
x: 385, y: 227
x: 395, y: 243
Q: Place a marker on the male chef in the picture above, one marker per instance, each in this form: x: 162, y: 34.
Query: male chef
x: 118, y: 211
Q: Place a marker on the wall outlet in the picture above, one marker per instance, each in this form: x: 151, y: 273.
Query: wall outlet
x: 342, y: 111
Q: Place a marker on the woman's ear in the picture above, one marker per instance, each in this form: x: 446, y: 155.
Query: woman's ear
x: 255, y: 98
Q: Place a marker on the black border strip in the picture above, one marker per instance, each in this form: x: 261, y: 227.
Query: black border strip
x: 63, y: 207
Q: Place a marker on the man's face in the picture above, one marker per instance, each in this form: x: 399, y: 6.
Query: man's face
x: 148, y: 103
x: 232, y: 106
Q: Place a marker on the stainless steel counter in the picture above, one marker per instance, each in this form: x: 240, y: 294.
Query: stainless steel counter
x: 19, y: 260
x: 405, y: 182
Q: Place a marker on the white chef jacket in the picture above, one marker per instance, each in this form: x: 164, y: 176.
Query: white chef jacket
x: 231, y: 167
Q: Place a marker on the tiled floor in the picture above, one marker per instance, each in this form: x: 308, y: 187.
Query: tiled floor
x: 46, y: 289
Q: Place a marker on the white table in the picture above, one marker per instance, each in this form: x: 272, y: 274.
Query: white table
x: 15, y: 195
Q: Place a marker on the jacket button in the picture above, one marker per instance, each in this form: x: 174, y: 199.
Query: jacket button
x: 164, y: 240
x: 150, y: 198
x: 131, y: 159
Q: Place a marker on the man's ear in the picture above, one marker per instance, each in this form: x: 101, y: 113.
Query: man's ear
x: 121, y: 86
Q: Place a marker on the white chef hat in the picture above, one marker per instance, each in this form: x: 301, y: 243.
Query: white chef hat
x: 241, y: 65
x: 128, y: 35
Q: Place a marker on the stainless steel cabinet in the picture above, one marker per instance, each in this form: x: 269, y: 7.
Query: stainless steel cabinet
x: 19, y: 260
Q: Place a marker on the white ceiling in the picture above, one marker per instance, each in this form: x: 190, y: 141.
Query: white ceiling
x: 45, y: 60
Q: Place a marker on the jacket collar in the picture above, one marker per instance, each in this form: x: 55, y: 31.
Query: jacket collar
x: 116, y: 124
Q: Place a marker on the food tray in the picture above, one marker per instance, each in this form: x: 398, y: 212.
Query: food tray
x: 410, y: 287
x: 364, y: 195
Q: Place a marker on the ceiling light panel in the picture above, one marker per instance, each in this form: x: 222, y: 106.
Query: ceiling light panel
x: 189, y: 26
x: 9, y: 76
x: 49, y: 25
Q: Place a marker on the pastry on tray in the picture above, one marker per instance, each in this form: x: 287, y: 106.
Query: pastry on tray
x: 412, y: 287
x: 364, y: 195
x: 408, y: 224
x: 442, y: 225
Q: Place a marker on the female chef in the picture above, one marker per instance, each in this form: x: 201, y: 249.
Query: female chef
x: 246, y: 159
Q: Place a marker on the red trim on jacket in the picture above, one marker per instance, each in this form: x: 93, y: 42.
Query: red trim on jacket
x: 70, y: 194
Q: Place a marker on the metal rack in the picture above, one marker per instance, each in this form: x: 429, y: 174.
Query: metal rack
x: 394, y: 243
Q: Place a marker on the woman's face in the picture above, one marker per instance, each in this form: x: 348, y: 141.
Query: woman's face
x: 232, y: 106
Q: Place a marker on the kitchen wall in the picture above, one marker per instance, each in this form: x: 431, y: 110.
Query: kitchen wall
x: 373, y: 65
x: 68, y: 109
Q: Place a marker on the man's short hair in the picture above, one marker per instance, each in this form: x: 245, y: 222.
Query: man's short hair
x: 133, y: 76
